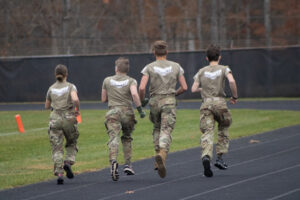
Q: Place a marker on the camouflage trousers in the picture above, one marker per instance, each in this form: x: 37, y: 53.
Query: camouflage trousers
x: 211, y: 112
x: 63, y: 124
x: 163, y: 117
x: 120, y: 118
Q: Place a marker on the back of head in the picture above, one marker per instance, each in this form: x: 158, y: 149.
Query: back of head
x: 213, y: 53
x: 122, y: 64
x: 61, y: 72
x: 160, y: 48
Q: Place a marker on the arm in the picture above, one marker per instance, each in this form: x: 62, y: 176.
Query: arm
x: 183, y: 86
x: 135, y: 95
x: 233, y: 88
x: 76, y: 102
x: 47, y: 104
x: 136, y: 99
x: 142, y: 88
x: 195, y: 87
x: 104, y: 96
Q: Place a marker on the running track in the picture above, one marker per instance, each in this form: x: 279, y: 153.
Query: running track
x: 269, y: 168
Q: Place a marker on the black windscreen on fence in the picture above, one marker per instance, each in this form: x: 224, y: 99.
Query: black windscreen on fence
x: 258, y: 73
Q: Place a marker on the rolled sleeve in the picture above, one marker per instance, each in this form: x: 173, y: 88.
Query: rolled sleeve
x: 133, y: 82
x: 181, y: 71
x: 104, y: 84
x: 145, y: 71
x: 227, y: 70
x: 196, y: 78
x: 48, y: 95
x: 73, y: 88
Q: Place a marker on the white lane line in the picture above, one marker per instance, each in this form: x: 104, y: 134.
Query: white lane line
x: 240, y: 182
x: 266, y: 142
x: 285, y: 194
x: 26, y: 131
x: 240, y: 148
x: 200, y: 174
x: 58, y: 191
x: 233, y: 150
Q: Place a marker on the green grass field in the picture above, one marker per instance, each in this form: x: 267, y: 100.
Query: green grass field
x: 26, y: 158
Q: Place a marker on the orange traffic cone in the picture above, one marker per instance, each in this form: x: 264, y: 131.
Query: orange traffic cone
x: 78, y: 117
x: 20, y: 124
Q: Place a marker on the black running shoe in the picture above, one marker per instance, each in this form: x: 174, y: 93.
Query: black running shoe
x: 221, y: 164
x: 128, y: 170
x: 60, y: 179
x: 206, y: 165
x: 114, y: 171
x: 155, y: 166
x: 68, y: 169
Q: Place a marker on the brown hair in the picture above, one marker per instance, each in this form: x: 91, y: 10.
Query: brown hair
x: 61, y: 72
x: 160, y: 48
x: 122, y: 64
x: 213, y: 53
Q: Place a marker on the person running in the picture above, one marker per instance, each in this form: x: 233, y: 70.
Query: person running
x: 119, y: 90
x: 210, y: 81
x: 62, y: 98
x: 163, y: 75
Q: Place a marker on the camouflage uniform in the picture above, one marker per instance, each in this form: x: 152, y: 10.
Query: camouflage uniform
x: 120, y: 115
x: 62, y: 124
x: 213, y: 108
x: 164, y: 75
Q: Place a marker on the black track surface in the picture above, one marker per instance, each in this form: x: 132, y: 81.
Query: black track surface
x: 267, y: 169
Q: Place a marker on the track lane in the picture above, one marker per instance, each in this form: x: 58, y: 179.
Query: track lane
x: 184, y: 176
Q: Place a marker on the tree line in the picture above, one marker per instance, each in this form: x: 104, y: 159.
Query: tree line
x: 84, y: 27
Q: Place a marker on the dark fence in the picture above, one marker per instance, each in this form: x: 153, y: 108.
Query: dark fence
x: 258, y: 73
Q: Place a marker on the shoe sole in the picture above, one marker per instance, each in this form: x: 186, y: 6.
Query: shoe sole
x: 128, y: 172
x: 69, y: 172
x: 114, y: 175
x: 220, y: 167
x: 207, y: 169
x: 60, y: 181
x: 162, y: 172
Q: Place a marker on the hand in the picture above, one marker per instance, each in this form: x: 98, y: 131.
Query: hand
x: 145, y: 102
x: 141, y: 112
x: 77, y: 113
x: 233, y: 100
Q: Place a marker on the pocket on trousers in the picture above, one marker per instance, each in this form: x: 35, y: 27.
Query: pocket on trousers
x: 205, y: 121
x: 226, y: 119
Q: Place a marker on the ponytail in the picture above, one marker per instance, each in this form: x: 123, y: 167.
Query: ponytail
x: 61, y: 72
x: 59, y: 77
